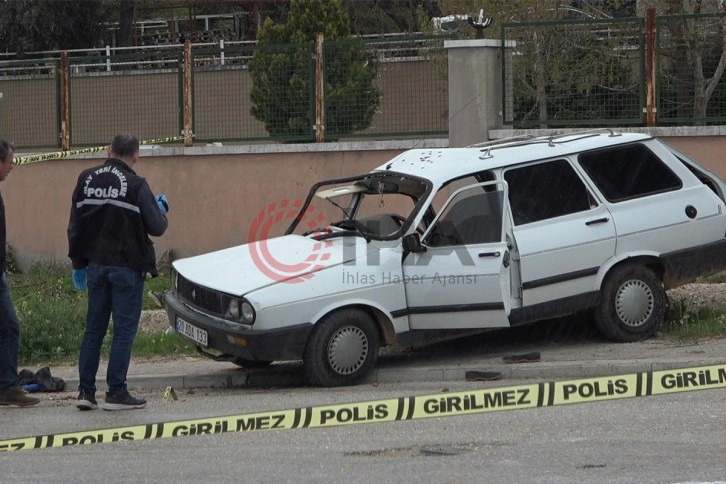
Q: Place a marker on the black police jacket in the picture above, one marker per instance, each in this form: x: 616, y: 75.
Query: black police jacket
x: 112, y: 215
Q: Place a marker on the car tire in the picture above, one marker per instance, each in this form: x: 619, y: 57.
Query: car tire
x: 342, y: 349
x: 251, y: 364
x: 633, y: 304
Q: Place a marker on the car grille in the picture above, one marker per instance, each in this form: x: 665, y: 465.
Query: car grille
x: 200, y: 297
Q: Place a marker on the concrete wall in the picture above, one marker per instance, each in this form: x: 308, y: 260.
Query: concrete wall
x: 215, y: 192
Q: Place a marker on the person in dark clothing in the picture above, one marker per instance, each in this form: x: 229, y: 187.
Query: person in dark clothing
x: 10, y: 392
x: 113, y: 213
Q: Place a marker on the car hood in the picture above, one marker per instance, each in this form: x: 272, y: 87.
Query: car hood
x: 290, y: 258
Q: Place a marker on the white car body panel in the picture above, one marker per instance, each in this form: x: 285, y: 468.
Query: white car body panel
x: 411, y: 285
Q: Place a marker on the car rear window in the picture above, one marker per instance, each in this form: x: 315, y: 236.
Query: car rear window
x: 627, y: 172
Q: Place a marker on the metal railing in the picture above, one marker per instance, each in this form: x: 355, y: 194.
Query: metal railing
x: 691, y: 61
x: 607, y: 72
x: 145, y: 90
x: 574, y: 73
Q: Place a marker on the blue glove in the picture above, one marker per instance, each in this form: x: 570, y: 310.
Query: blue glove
x: 163, y: 203
x: 79, y: 279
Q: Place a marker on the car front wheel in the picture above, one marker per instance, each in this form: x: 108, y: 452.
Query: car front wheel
x: 633, y: 304
x: 342, y: 349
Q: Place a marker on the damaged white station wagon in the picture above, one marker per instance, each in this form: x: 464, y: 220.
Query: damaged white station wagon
x: 441, y: 243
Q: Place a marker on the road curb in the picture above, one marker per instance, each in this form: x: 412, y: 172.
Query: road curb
x: 290, y: 375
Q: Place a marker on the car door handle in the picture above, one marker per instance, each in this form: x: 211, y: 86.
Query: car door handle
x: 597, y: 221
x: 490, y: 254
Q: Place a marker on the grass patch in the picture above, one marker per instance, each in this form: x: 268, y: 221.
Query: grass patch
x: 695, y: 322
x: 52, y: 315
x: 718, y: 278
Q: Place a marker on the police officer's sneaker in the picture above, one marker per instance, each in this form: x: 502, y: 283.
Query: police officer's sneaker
x: 17, y: 396
x: 86, y: 400
x: 123, y: 402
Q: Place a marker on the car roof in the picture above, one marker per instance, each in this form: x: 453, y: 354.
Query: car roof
x: 440, y: 165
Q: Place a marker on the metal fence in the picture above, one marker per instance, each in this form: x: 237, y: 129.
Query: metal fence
x: 691, y: 60
x: 626, y: 71
x: 222, y: 85
x: 411, y: 79
x: 138, y: 93
x: 145, y: 91
x: 574, y: 72
x: 599, y: 72
x: 29, y: 101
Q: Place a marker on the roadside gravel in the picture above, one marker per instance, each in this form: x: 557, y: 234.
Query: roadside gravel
x: 697, y: 295
x: 154, y: 321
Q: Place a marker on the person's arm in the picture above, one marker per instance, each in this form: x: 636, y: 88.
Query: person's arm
x: 154, y: 221
x: 73, y: 234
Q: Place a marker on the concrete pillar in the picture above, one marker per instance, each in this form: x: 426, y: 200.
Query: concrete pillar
x: 475, y: 90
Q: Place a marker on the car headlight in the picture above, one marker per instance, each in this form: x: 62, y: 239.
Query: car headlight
x: 241, y: 310
x: 174, y: 280
x: 248, y: 312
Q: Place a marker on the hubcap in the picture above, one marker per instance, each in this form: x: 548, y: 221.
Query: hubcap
x: 347, y: 350
x: 634, y: 303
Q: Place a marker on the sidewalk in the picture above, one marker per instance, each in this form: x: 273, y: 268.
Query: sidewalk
x: 444, y: 362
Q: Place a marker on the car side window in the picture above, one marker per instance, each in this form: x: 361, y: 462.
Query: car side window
x: 626, y: 172
x: 474, y: 216
x: 546, y: 190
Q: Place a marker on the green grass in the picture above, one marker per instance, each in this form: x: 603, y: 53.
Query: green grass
x: 695, y: 322
x: 52, y: 315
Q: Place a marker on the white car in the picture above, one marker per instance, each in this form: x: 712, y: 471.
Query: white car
x: 442, y: 243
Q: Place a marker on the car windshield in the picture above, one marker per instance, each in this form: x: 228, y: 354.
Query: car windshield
x: 377, y: 206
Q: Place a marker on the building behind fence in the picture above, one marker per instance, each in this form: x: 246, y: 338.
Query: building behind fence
x: 624, y: 72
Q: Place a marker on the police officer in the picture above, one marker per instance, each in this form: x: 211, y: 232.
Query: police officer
x: 113, y: 213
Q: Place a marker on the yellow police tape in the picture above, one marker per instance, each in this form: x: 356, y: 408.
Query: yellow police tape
x: 468, y: 402
x: 24, y: 160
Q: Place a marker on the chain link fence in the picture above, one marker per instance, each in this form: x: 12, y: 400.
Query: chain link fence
x: 223, y: 87
x: 240, y: 92
x: 555, y: 74
x: 691, y: 60
x: 139, y: 93
x: 29, y: 107
x: 574, y: 73
x: 411, y: 79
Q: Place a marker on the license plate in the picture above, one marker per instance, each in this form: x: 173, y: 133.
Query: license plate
x: 191, y: 332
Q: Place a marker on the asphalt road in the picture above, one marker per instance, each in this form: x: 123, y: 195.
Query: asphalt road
x: 663, y: 439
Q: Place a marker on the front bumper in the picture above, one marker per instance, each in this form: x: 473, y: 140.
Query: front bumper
x: 283, y: 344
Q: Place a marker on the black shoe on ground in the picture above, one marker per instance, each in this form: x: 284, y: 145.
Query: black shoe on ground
x: 48, y: 382
x: 123, y: 402
x: 525, y: 358
x: 17, y: 396
x: 86, y: 401
x: 482, y: 375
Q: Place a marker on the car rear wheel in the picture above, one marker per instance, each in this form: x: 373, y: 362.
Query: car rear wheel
x: 633, y: 304
x: 342, y: 349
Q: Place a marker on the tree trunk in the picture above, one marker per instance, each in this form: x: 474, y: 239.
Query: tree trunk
x: 541, y: 76
x: 126, y: 23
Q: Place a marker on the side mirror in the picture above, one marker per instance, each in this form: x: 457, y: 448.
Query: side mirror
x: 412, y: 243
